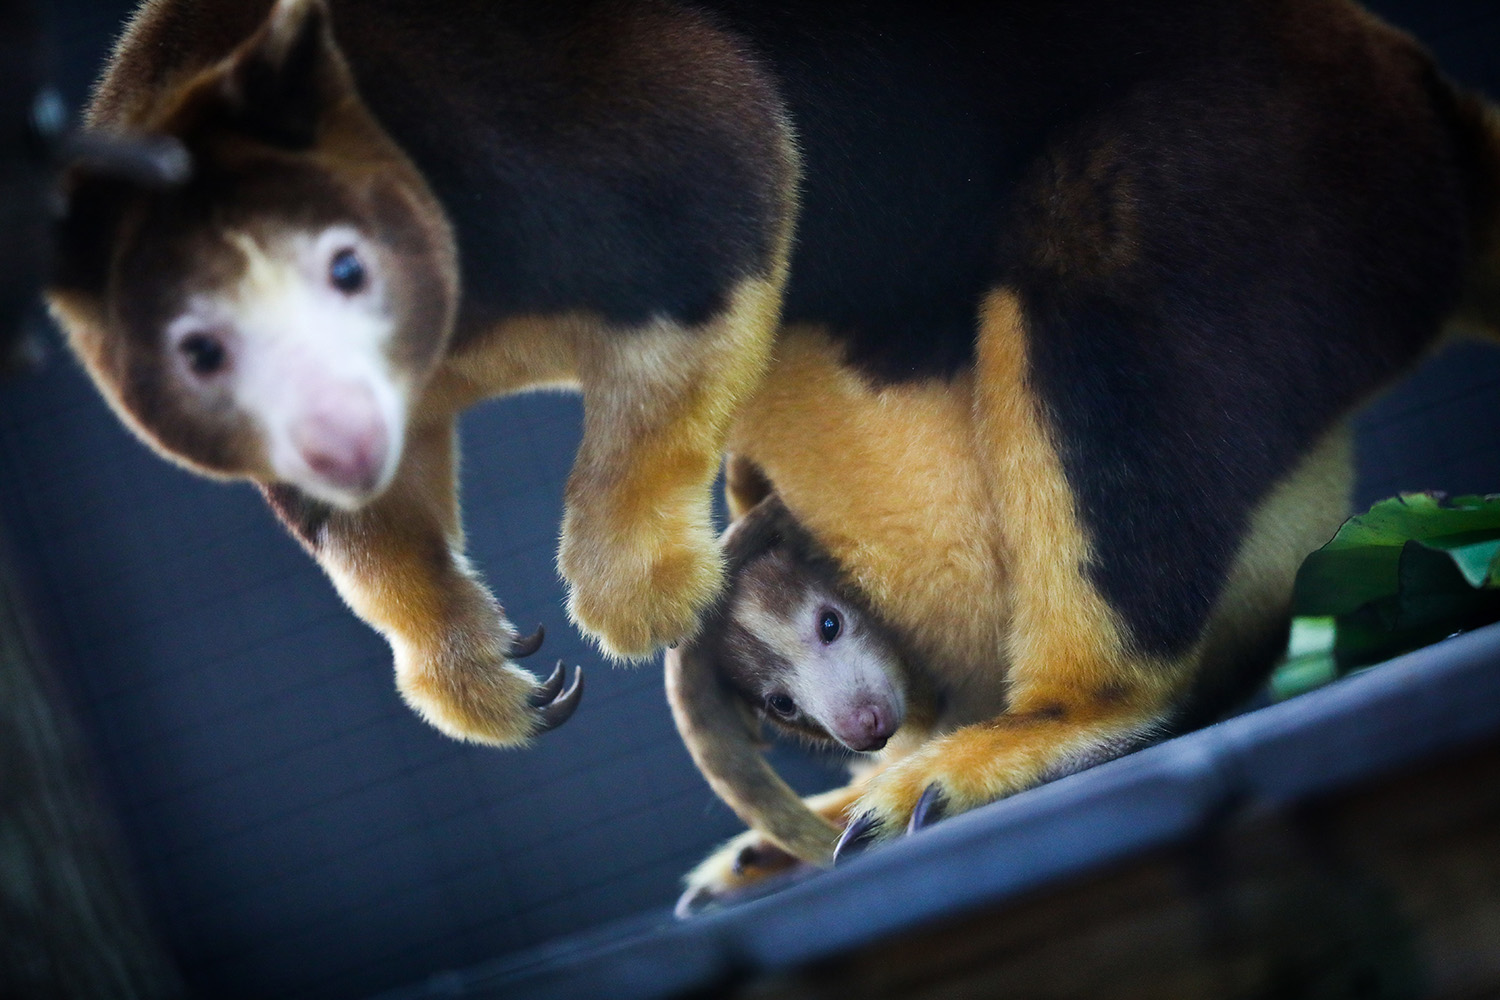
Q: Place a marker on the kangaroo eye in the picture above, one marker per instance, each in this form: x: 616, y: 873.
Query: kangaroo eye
x: 782, y: 705
x: 346, y: 272
x: 204, y: 352
x: 830, y: 625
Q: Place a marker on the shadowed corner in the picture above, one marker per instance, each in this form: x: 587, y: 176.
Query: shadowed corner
x: 31, y: 115
x: 75, y: 924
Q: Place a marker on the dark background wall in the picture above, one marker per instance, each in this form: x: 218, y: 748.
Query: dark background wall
x: 297, y: 831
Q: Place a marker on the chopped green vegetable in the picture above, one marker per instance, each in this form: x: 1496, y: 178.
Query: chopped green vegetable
x: 1309, y: 659
x: 1415, y: 569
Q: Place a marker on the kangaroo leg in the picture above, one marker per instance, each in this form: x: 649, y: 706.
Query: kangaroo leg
x: 1079, y: 691
x: 638, y: 546
x: 399, y: 563
x: 751, y: 857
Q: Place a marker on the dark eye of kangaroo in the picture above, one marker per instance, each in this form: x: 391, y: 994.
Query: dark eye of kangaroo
x: 346, y: 272
x: 205, y: 353
x: 830, y: 625
x: 782, y: 705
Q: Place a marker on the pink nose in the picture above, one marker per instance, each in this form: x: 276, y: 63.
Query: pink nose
x: 867, y: 726
x: 344, y: 440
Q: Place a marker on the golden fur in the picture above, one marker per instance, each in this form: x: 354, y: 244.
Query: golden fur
x: 1135, y: 227
x: 1037, y: 683
x: 256, y: 87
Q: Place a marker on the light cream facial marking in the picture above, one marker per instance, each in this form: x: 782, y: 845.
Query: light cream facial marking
x: 836, y: 684
x: 306, y: 360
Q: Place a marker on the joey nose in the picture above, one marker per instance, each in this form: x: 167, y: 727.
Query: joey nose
x: 867, y: 727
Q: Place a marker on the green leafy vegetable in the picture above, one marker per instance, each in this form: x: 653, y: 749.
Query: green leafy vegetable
x: 1309, y: 659
x: 1415, y: 569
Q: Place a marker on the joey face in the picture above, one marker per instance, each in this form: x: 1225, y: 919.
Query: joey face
x: 812, y: 661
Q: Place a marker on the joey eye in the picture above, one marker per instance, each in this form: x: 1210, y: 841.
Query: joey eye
x: 204, y: 352
x: 830, y: 625
x: 346, y: 272
x: 782, y: 705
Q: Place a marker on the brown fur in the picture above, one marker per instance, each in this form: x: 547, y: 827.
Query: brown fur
x: 1049, y: 723
x: 712, y: 684
x: 887, y: 480
x: 1192, y: 237
x: 281, y: 135
x: 720, y: 736
x: 775, y: 568
x: 1089, y: 531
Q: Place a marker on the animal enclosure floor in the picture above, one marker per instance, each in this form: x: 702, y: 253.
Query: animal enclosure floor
x: 1430, y: 705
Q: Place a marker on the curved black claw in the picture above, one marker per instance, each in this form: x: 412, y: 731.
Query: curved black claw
x: 523, y: 646
x: 547, y: 693
x: 857, y: 837
x: 561, y: 708
x: 931, y: 807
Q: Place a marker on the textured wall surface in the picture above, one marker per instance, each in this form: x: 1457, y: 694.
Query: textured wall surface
x: 298, y: 831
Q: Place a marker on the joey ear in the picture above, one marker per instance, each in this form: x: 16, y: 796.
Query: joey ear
x: 282, y: 81
x: 763, y: 527
x: 766, y: 526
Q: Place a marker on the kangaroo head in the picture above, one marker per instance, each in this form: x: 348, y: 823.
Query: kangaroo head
x: 275, y: 314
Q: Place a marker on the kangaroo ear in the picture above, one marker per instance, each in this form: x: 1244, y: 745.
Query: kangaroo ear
x: 280, y: 84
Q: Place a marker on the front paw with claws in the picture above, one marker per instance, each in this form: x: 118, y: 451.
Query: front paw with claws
x: 948, y: 776
x: 739, y: 870
x: 635, y: 606
x: 866, y: 828
x: 475, y: 695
